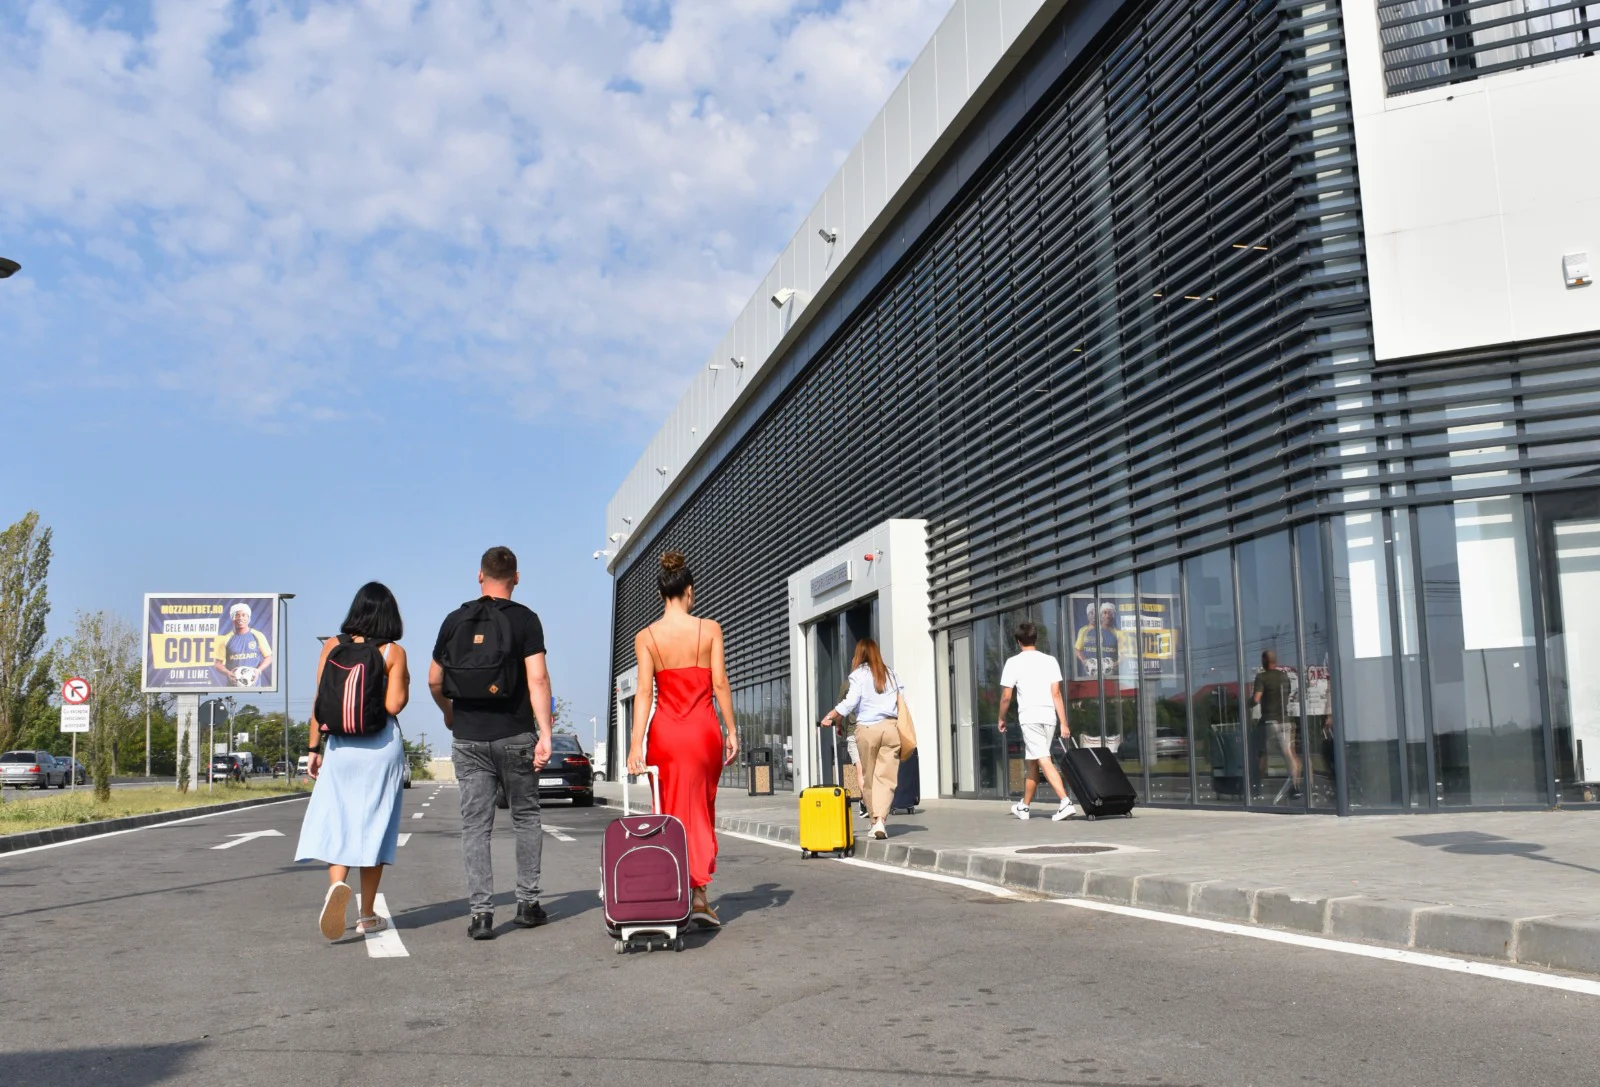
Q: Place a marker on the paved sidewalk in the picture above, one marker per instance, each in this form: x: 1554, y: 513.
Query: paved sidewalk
x: 1514, y: 886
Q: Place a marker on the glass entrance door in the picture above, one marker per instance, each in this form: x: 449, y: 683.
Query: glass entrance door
x: 964, y: 777
x: 833, y: 644
x: 1569, y: 531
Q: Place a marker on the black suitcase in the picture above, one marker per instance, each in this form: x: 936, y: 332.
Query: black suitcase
x: 1098, y: 782
x: 908, y: 788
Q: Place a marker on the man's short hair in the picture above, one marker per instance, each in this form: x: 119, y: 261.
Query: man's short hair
x: 499, y: 564
x: 1027, y: 632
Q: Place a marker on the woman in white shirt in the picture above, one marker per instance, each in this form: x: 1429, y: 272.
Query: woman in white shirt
x: 874, y: 699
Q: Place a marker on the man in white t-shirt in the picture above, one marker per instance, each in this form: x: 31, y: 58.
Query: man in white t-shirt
x: 1036, y: 679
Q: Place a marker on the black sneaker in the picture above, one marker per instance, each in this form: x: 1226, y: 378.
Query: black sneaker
x: 530, y: 915
x: 482, y: 926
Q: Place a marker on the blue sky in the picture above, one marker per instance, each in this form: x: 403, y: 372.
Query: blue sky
x: 319, y: 292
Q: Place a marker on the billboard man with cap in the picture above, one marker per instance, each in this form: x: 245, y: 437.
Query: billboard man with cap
x: 243, y: 655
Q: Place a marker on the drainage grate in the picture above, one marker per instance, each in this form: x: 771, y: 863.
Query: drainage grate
x: 1068, y: 849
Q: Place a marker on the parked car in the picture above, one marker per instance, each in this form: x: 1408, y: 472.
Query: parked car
x: 569, y: 772
x: 303, y: 767
x: 280, y: 768
x: 77, y: 773
x: 36, y: 768
x: 227, y: 767
x: 405, y: 773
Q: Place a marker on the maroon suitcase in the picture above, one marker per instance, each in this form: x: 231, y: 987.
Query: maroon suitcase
x: 644, y: 876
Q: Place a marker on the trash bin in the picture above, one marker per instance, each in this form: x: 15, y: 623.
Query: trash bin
x: 758, y: 762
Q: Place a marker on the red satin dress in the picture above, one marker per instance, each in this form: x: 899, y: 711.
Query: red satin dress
x: 685, y: 741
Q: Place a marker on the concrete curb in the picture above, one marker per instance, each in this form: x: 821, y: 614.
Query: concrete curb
x: 30, y: 839
x: 1565, y: 942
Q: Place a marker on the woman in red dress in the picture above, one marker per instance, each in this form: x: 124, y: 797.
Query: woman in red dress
x: 680, y: 658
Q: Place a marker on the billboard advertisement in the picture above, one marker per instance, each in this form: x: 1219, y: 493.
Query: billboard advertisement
x: 1115, y: 636
x: 200, y: 642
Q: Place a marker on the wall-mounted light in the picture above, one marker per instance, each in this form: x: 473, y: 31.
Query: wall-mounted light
x: 828, y: 234
x: 616, y: 537
x: 782, y: 297
x: 712, y: 366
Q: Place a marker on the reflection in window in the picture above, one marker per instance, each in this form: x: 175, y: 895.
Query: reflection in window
x: 1119, y: 686
x: 1569, y: 532
x: 1315, y: 637
x: 1418, y: 775
x: 1163, y: 736
x: 1487, y: 721
x: 1042, y: 616
x: 1272, y: 668
x: 1214, y: 661
x: 1367, y: 706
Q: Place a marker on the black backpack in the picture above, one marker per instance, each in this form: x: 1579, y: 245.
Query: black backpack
x: 351, y: 693
x: 479, y: 660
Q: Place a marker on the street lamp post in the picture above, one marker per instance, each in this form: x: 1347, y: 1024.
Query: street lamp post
x: 283, y: 674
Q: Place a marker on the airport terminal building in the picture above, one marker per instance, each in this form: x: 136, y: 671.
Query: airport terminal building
x: 1193, y: 330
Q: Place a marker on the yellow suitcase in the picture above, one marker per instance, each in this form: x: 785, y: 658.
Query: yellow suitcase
x: 825, y: 824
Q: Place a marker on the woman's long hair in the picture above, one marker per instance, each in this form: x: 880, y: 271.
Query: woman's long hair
x: 374, y: 614
x: 867, y: 653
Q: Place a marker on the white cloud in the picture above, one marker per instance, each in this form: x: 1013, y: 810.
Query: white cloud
x: 553, y: 193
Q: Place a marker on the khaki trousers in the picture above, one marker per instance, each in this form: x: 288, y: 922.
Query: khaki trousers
x: 880, y: 763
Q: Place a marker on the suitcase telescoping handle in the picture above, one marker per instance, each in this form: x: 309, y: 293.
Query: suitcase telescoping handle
x: 654, y: 774
x: 832, y: 733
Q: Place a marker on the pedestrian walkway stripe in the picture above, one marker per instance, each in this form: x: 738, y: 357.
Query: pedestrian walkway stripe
x: 558, y: 834
x: 416, y: 815
x: 385, y: 944
x: 1322, y: 943
x: 404, y: 838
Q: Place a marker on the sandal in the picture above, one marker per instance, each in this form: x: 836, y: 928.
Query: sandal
x: 702, y: 914
x: 334, y: 905
x: 366, y: 926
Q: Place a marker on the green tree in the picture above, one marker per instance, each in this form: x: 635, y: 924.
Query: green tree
x: 24, y: 607
x: 561, y: 717
x: 104, y: 648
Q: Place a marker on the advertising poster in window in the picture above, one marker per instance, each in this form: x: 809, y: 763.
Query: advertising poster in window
x: 1116, y: 636
x: 201, y: 642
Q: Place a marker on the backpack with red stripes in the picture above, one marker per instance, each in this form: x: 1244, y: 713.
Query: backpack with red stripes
x: 351, y: 693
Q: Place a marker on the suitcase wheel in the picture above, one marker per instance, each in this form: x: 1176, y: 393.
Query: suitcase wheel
x: 805, y: 854
x: 677, y: 944
x: 620, y: 946
x: 851, y: 851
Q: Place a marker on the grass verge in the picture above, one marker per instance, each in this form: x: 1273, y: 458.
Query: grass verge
x: 41, y: 811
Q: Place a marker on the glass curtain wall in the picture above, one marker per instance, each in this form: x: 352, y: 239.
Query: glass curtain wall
x: 1163, y: 686
x: 1316, y: 642
x: 1119, y: 685
x: 1488, y: 720
x: 1569, y: 549
x: 1272, y: 667
x: 1045, y: 618
x: 1369, y: 712
x: 1216, y: 737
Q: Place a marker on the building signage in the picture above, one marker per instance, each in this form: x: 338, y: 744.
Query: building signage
x: 198, y: 642
x: 830, y: 579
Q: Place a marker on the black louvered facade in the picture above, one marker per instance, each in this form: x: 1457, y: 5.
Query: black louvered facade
x: 1122, y: 328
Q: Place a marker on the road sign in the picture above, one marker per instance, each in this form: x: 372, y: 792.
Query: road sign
x: 75, y: 691
x: 219, y: 749
x: 74, y: 718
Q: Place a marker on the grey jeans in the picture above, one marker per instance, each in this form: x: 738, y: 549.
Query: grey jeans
x: 481, y: 767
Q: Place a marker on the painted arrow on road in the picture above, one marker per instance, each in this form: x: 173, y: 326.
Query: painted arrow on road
x: 240, y: 839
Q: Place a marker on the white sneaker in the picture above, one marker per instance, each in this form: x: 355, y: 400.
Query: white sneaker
x: 1020, y: 810
x: 878, y: 830
x: 1066, y: 811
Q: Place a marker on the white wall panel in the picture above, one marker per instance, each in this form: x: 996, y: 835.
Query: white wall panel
x: 873, y: 172
x: 854, y: 202
x: 924, y: 83
x: 1459, y: 301
x: 951, y: 41
x: 897, y: 136
x: 1015, y: 15
x: 1541, y: 303
x: 1445, y: 157
x: 985, y: 35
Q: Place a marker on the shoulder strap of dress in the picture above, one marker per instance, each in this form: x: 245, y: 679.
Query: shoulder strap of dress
x: 699, y: 626
x: 651, y: 634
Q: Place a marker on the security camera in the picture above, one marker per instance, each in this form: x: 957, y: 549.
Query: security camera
x: 781, y: 299
x: 738, y: 362
x: 615, y: 537
x: 662, y: 470
x: 828, y: 234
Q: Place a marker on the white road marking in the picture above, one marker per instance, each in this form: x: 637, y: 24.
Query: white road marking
x: 240, y: 839
x: 425, y: 804
x: 135, y: 830
x: 557, y: 833
x: 385, y: 944
x: 1516, y: 974
x: 416, y: 815
x: 404, y: 838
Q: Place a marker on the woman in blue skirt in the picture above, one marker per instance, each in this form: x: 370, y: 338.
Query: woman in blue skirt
x: 353, y: 820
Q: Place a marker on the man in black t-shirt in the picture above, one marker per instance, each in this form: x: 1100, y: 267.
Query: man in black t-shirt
x: 1272, y: 692
x: 500, y: 744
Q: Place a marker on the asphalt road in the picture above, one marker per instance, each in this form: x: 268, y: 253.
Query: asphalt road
x: 154, y: 958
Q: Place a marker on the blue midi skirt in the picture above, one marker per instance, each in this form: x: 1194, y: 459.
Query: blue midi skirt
x: 354, y: 815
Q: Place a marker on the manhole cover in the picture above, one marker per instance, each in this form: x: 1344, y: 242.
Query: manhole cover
x: 1059, y: 850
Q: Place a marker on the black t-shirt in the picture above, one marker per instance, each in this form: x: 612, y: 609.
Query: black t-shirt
x: 1273, y: 687
x: 476, y: 719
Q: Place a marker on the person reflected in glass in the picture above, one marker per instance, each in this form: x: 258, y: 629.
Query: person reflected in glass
x: 1272, y: 694
x: 681, y: 659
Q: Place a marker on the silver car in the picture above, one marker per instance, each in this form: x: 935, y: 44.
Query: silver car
x: 36, y: 768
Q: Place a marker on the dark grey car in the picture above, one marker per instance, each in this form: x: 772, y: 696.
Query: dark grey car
x: 36, y: 768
